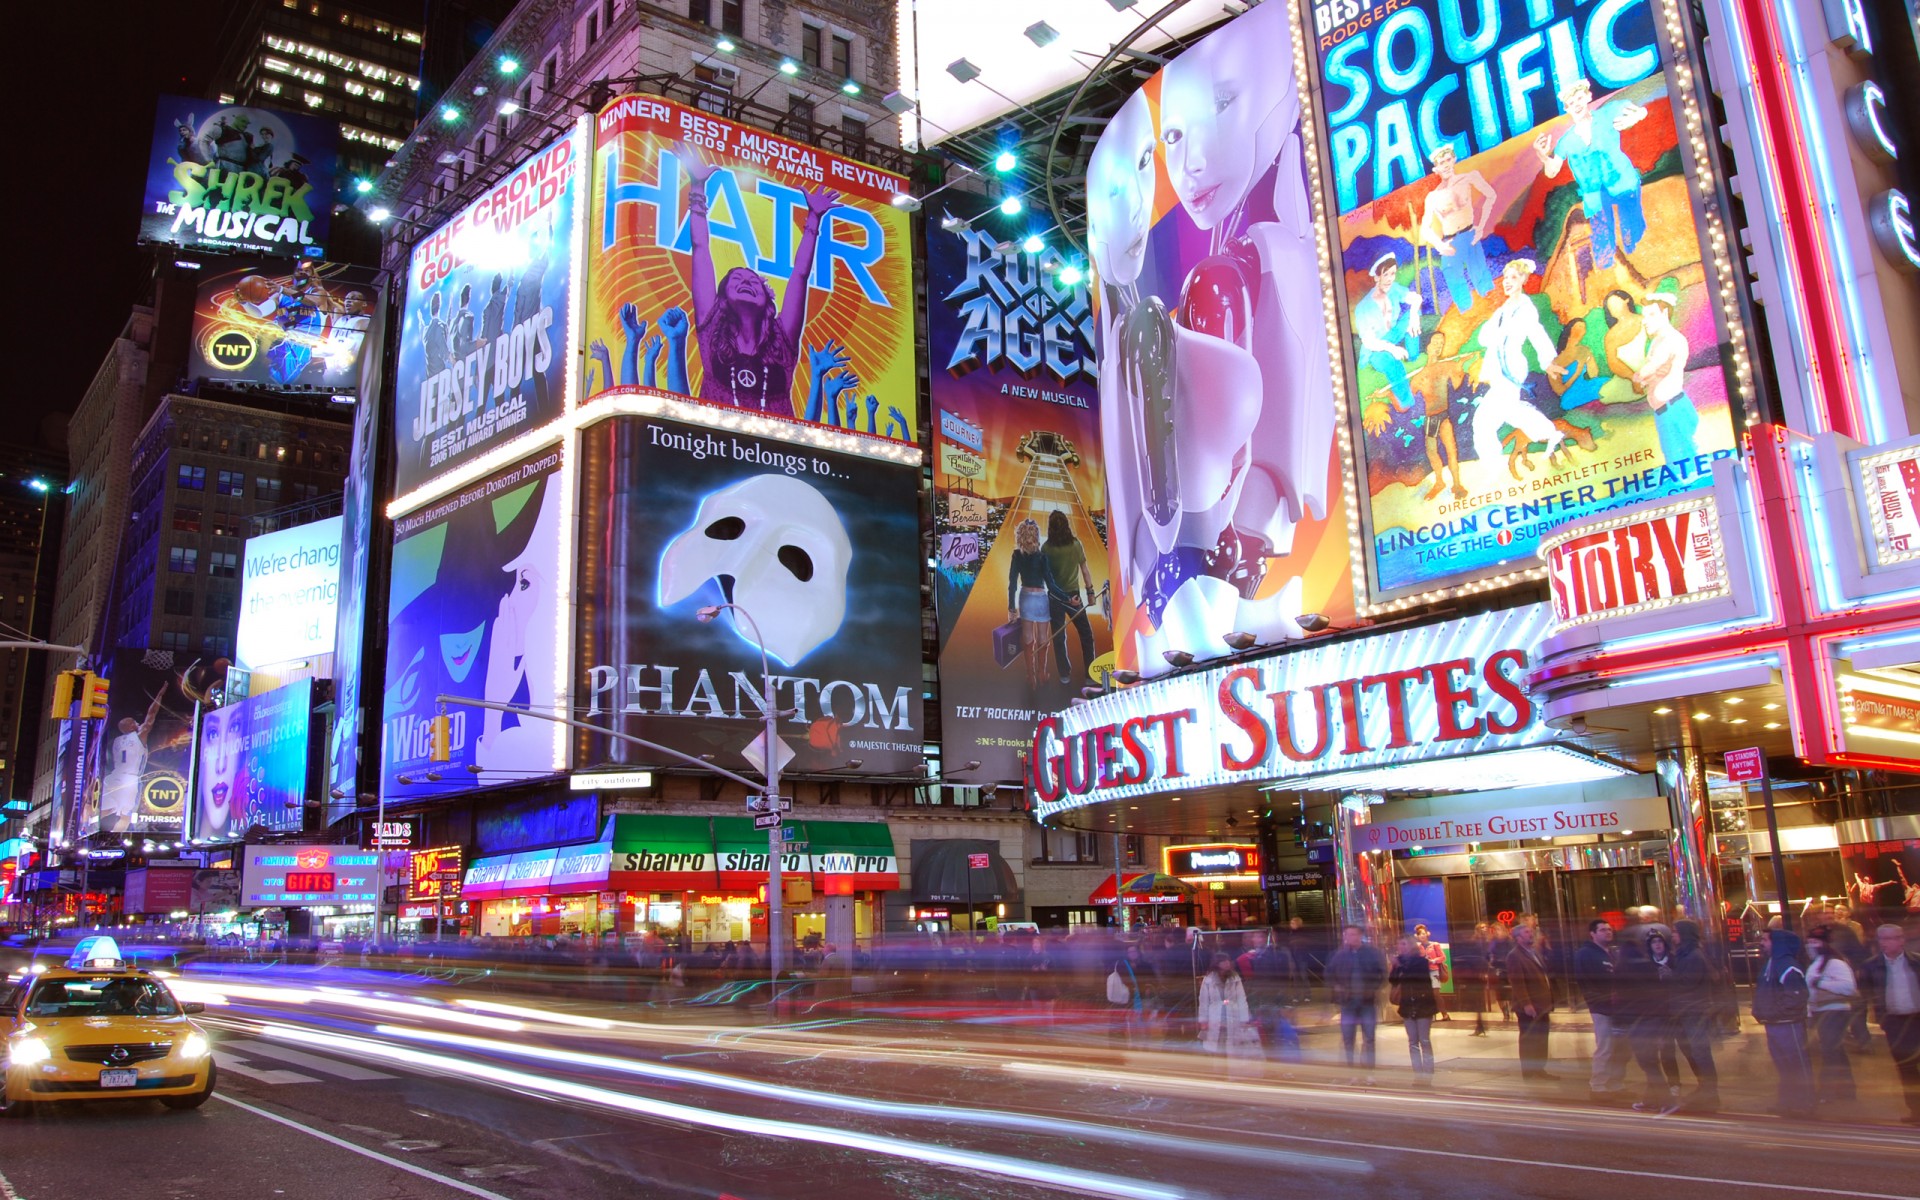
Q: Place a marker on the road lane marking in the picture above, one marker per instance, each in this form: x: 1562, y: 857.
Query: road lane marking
x: 456, y: 1184
x: 7, y: 1192
x: 259, y: 1074
x: 312, y: 1062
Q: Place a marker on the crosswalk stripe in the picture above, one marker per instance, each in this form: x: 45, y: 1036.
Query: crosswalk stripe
x: 239, y: 1067
x: 313, y: 1062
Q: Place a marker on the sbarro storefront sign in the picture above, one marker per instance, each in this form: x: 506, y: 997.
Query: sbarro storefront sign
x: 1413, y: 695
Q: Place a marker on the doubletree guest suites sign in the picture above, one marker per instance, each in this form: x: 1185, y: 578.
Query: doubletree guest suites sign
x: 1413, y: 695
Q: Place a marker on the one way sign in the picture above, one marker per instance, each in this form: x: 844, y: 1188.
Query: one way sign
x: 767, y: 821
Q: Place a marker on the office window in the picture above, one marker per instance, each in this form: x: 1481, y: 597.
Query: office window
x: 853, y: 129
x: 1068, y: 846
x: 1134, y: 845
x: 265, y: 489
x: 800, y: 115
x: 810, y: 36
x: 225, y: 526
x: 192, y: 477
x: 593, y: 28
x: 186, y: 520
x: 223, y: 564
x: 842, y: 57
x: 179, y: 602
x: 222, y: 605
x: 231, y: 483
x: 185, y: 559
x: 174, y: 640
x: 217, y: 646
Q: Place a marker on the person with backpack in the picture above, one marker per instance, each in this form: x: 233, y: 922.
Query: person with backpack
x: 1693, y: 1010
x: 1832, y: 991
x: 1780, y: 1006
x: 1132, y: 987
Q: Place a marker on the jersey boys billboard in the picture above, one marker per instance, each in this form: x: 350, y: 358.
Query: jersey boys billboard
x: 1016, y: 398
x: 742, y: 269
x: 473, y: 612
x: 484, y: 339
x: 1217, y: 404
x: 225, y: 177
x: 282, y: 326
x: 1532, y: 327
x: 817, y: 548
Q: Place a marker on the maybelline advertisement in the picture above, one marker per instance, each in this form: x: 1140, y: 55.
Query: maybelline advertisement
x: 1532, y: 328
x: 733, y: 266
x: 252, y: 772
x: 484, y: 340
x: 232, y: 177
x: 285, y: 326
x: 1016, y: 410
x: 139, y: 778
x: 1228, y: 513
x: 702, y: 548
x: 474, y: 601
x: 349, y: 641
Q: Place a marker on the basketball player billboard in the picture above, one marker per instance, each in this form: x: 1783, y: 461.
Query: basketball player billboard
x: 288, y: 326
x: 139, y: 779
x: 484, y: 335
x: 1533, y: 329
x: 1217, y: 408
x: 239, y: 177
x: 814, y: 553
x: 731, y: 265
x: 1015, y: 398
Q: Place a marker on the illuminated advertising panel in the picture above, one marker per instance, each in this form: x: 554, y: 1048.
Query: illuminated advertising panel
x: 699, y: 230
x: 289, y: 595
x: 73, y: 771
x: 473, y: 613
x: 1016, y: 398
x: 1214, y: 859
x: 296, y: 876
x: 1218, y: 420
x: 819, y: 550
x: 1531, y: 326
x: 485, y: 336
x: 282, y: 325
x: 435, y: 874
x: 350, y: 627
x: 1658, y: 558
x: 234, y: 177
x: 1890, y: 492
x: 139, y: 780
x: 253, y: 767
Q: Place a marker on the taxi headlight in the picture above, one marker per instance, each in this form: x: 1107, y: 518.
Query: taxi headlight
x: 26, y: 1051
x: 194, y: 1047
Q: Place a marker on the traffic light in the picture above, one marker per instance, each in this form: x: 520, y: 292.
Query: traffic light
x: 63, y: 695
x: 93, y: 697
x: 440, y: 747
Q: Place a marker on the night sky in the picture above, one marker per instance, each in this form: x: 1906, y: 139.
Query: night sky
x: 82, y: 104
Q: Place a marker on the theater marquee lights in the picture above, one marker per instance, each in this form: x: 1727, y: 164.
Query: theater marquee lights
x: 1637, y: 562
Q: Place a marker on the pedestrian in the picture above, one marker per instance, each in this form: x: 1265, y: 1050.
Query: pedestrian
x: 1266, y: 968
x: 1595, y: 969
x: 1412, y: 980
x: 1136, y: 977
x: 1845, y: 940
x: 1530, y: 991
x: 1299, y: 944
x: 1225, y: 1021
x: 1646, y: 987
x: 1780, y: 1005
x: 1436, y: 956
x: 1499, y: 946
x: 1470, y: 976
x: 1693, y: 1010
x: 1891, y: 980
x: 1355, y: 973
x: 1831, y: 990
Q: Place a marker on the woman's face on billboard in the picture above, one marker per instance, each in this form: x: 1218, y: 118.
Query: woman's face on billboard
x: 1120, y: 185
x: 220, y: 734
x: 1215, y: 101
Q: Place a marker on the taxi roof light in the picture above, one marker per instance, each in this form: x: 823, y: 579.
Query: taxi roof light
x: 97, y: 953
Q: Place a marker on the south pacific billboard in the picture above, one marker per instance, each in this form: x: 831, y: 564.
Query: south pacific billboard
x: 473, y: 607
x: 139, y: 780
x: 484, y: 335
x: 283, y: 325
x: 736, y: 267
x: 254, y: 764
x: 1015, y: 394
x: 1531, y: 324
x: 817, y: 554
x: 238, y: 177
x: 1227, y: 498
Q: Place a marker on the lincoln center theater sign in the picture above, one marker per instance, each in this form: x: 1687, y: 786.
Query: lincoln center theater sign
x: 1413, y: 695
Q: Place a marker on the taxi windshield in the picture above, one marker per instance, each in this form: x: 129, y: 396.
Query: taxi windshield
x: 100, y: 996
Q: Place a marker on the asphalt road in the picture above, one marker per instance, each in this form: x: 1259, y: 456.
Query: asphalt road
x: 389, y: 1094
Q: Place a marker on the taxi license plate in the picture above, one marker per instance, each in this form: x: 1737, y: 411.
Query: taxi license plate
x: 119, y: 1079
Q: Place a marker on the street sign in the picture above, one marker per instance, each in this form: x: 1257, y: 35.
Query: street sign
x: 767, y: 821
x: 978, y: 862
x: 1748, y: 765
x: 769, y: 804
x: 790, y: 833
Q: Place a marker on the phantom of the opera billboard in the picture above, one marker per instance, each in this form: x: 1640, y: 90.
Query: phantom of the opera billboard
x: 485, y: 343
x: 1532, y: 327
x: 1227, y: 500
x: 1016, y: 441
x: 283, y: 325
x: 254, y: 764
x: 234, y: 177
x: 733, y: 266
x: 810, y: 554
x: 476, y: 581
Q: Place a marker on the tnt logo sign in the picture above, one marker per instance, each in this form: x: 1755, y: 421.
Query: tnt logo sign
x: 163, y: 793
x: 231, y: 350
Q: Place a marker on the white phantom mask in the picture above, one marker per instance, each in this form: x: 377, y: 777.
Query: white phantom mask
x: 779, y: 552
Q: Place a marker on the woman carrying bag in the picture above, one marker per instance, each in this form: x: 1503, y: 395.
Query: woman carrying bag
x: 1411, y: 981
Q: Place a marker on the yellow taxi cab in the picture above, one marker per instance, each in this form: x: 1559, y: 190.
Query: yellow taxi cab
x: 96, y: 1029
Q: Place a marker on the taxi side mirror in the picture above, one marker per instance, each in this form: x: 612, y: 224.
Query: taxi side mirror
x: 192, y: 1007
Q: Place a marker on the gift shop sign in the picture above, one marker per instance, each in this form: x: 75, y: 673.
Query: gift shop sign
x: 1515, y: 824
x: 1404, y: 697
x: 1660, y: 558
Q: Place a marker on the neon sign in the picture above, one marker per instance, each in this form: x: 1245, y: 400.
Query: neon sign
x: 1668, y: 556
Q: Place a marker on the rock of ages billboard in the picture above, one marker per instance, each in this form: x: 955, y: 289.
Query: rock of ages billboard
x: 1015, y: 394
x: 234, y: 177
x: 742, y: 269
x: 484, y: 339
x: 283, y: 325
x: 1532, y: 327
x: 472, y: 613
x: 1217, y: 407
x: 819, y: 549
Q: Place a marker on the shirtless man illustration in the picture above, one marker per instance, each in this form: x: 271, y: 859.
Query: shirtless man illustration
x: 1458, y: 214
